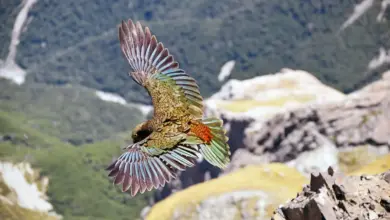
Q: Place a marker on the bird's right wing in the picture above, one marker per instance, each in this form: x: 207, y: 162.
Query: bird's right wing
x: 143, y: 168
x: 156, y: 70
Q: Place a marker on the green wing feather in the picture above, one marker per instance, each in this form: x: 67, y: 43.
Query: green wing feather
x: 153, y: 64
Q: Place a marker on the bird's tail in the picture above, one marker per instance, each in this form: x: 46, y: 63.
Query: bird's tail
x: 216, y: 149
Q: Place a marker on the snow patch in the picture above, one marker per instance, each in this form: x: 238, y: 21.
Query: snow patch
x: 28, y: 194
x: 381, y: 15
x: 362, y: 8
x: 12, y: 72
x: 358, y: 11
x: 111, y: 97
x: 382, y: 58
x: 226, y: 70
x: 115, y: 98
x: 9, y: 69
x: 145, y: 109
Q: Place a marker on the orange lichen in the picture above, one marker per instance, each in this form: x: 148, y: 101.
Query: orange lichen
x: 202, y: 131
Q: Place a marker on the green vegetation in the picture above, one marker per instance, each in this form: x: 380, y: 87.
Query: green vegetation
x: 79, y: 187
x: 42, y: 125
x: 76, y: 41
x: 71, y: 113
x: 13, y: 212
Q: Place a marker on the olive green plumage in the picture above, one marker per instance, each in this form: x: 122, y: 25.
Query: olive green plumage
x: 177, y: 133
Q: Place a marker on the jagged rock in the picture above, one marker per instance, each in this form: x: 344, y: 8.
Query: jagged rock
x: 331, y: 195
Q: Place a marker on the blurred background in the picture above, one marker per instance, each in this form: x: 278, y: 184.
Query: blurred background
x: 300, y: 84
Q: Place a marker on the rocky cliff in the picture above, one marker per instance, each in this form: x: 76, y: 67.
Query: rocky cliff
x: 313, y: 137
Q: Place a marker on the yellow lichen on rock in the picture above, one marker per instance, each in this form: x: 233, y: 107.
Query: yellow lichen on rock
x: 244, y: 105
x: 378, y: 166
x: 269, y: 179
x: 354, y: 159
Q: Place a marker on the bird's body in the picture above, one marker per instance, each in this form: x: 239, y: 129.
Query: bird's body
x: 172, y: 139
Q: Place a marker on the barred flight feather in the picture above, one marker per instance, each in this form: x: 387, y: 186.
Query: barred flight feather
x: 139, y: 171
x: 148, y: 57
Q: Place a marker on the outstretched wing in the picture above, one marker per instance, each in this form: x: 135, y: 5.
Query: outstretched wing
x: 141, y: 168
x: 156, y: 70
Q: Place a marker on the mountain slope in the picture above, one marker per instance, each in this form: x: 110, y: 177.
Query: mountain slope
x: 76, y: 41
x: 79, y: 187
x: 71, y: 113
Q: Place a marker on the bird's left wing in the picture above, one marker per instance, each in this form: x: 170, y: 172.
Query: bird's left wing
x: 155, y: 69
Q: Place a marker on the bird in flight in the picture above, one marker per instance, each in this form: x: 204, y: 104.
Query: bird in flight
x: 173, y: 139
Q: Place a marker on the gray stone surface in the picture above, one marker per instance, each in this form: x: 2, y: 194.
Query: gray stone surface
x: 362, y: 119
x: 333, y: 196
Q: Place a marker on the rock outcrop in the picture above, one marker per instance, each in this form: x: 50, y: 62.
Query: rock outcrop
x: 301, y: 137
x: 332, y: 195
x: 262, y: 97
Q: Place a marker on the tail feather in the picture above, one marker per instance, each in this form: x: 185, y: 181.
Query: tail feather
x: 217, y: 152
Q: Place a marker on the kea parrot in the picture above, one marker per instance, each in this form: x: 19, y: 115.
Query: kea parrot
x: 178, y: 133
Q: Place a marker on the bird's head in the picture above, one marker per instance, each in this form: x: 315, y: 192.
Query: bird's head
x: 140, y: 132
